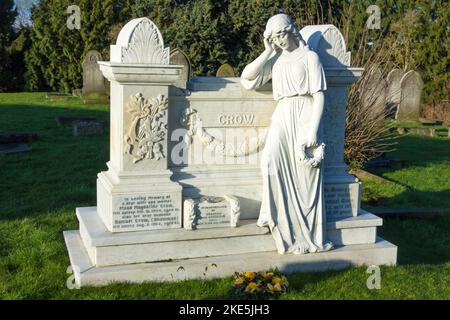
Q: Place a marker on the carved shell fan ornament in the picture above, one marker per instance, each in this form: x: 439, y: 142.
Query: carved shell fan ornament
x: 146, y: 45
x: 147, y: 130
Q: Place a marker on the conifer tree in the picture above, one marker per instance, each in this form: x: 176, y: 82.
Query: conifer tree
x: 57, y: 51
x: 7, y: 17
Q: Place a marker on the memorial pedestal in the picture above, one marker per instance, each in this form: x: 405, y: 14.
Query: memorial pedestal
x: 160, y: 218
x: 99, y: 257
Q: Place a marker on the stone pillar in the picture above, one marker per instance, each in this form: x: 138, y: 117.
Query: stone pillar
x: 136, y: 192
x: 342, y: 190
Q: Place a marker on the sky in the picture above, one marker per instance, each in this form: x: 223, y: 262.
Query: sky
x: 23, y: 8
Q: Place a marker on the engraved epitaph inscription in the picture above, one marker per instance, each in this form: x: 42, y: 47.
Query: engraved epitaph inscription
x: 213, y: 214
x: 341, y: 200
x: 146, y: 212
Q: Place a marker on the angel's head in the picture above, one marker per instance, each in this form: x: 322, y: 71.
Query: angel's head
x: 281, y: 31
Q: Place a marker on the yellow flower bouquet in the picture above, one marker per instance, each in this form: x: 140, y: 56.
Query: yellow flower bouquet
x: 259, y: 285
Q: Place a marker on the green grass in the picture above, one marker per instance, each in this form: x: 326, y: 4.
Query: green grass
x: 423, y: 182
x: 40, y: 190
x: 441, y: 130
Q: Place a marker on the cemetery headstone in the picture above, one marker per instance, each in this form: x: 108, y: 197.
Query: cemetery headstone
x: 429, y: 132
x: 169, y: 148
x: 69, y: 121
x: 411, y: 92
x: 93, y: 81
x: 375, y: 96
x: 225, y: 70
x: 57, y: 96
x: 87, y: 128
x: 17, y: 137
x: 394, y: 91
x: 178, y: 57
x: 14, y: 148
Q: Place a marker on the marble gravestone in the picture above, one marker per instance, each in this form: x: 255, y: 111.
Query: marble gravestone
x: 94, y: 90
x: 411, y: 93
x: 180, y: 155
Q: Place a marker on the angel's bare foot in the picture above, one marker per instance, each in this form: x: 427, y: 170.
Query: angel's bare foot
x: 326, y: 247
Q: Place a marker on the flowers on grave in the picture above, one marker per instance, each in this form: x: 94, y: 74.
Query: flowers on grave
x: 257, y: 285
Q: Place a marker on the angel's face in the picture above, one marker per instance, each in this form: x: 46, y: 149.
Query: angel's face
x: 284, y: 40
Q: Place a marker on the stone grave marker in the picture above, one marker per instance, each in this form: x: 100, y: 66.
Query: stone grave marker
x: 57, y: 96
x: 225, y: 70
x: 375, y: 96
x: 178, y: 57
x: 394, y: 91
x: 429, y: 132
x: 148, y: 197
x: 87, y: 128
x: 93, y: 81
x: 411, y: 93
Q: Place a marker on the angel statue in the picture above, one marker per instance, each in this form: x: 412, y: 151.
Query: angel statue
x: 292, y: 200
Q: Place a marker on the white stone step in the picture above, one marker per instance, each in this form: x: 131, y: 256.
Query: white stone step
x: 379, y: 253
x: 354, y: 230
x: 106, y: 248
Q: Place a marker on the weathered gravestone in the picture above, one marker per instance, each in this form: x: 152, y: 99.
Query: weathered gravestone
x: 87, y: 128
x: 178, y: 57
x: 57, y: 96
x: 225, y: 70
x: 430, y: 132
x: 375, y: 95
x: 394, y: 91
x: 411, y: 93
x: 93, y: 81
x: 171, y: 147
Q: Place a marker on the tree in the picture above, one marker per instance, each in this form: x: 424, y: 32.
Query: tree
x: 57, y: 51
x: 7, y: 16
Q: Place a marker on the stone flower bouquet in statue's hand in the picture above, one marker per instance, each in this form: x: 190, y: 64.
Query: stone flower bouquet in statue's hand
x: 259, y: 285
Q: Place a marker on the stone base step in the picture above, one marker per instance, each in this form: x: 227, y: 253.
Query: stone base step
x: 107, y: 249
x: 86, y: 274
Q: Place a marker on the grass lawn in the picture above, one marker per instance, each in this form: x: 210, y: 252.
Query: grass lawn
x: 39, y: 191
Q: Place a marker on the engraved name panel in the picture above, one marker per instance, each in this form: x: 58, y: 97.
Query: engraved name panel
x: 146, y: 212
x: 341, y: 200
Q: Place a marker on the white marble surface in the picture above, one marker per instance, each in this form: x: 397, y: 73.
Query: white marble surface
x: 220, y: 103
x: 98, y: 235
x: 379, y: 253
x: 140, y: 76
x: 107, y: 248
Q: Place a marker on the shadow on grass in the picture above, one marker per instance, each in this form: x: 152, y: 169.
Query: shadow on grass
x: 419, y: 241
x: 60, y: 171
x: 417, y: 151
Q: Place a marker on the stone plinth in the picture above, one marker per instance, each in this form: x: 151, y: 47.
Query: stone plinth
x: 136, y: 193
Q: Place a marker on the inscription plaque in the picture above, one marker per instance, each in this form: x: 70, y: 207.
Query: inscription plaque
x: 146, y: 212
x: 341, y: 200
x: 211, y: 212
